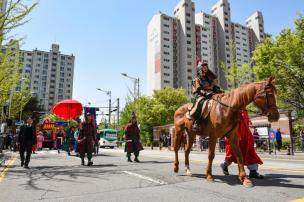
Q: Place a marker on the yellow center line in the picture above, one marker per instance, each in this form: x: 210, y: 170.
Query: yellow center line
x: 7, y: 167
x: 297, y: 200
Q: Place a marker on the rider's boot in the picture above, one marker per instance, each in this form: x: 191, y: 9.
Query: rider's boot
x: 195, y: 125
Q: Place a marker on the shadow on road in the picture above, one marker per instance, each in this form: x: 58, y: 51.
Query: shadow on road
x: 270, y: 180
x: 70, y: 174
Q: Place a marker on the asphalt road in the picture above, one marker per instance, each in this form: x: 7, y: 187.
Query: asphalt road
x: 58, y: 177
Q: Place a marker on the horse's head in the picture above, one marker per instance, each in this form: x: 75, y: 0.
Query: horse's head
x: 265, y: 100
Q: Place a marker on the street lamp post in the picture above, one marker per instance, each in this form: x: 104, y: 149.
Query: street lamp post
x: 136, y: 85
x: 110, y: 100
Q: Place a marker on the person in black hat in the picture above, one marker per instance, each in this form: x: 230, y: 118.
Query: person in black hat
x: 86, y: 139
x: 27, y: 138
x: 203, y: 87
x: 132, y: 138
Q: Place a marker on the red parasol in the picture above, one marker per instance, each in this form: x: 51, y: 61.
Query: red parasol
x: 67, y: 109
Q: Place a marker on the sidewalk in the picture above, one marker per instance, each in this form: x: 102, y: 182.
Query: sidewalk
x: 264, y: 155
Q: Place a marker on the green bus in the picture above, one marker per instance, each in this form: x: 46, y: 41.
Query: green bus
x: 108, y: 138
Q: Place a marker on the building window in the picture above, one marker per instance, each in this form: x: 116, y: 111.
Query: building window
x: 189, y: 56
x: 166, y: 39
x: 166, y: 74
x: 188, y: 49
x: 166, y: 60
x: 226, y: 30
x: 189, y: 63
x: 189, y: 70
x: 189, y: 35
x: 166, y: 18
x: 166, y: 67
x: 166, y: 32
x: 188, y: 28
x: 166, y: 81
x: 204, y: 35
x: 189, y: 42
x: 226, y: 25
x: 166, y: 46
x: 166, y: 25
x: 188, y: 21
x: 188, y: 14
x: 226, y: 19
x: 166, y: 53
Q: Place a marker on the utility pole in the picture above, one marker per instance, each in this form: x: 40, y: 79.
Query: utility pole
x: 110, y: 104
x: 118, y: 111
x: 137, y: 88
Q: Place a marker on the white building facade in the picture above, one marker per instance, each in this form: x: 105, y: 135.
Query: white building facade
x: 176, y: 43
x: 50, y: 74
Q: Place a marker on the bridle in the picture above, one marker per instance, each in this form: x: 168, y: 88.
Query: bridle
x: 265, y: 95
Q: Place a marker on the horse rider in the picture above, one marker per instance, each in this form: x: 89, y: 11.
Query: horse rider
x: 203, y: 88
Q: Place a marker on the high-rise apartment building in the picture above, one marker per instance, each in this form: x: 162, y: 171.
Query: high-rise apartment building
x: 50, y: 75
x: 3, y: 4
x: 175, y: 43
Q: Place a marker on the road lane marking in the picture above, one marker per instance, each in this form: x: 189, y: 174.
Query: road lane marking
x: 7, y: 167
x: 216, y: 162
x: 157, y: 181
x: 297, y: 200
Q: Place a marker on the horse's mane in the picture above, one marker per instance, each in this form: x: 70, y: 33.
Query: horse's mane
x: 229, y: 97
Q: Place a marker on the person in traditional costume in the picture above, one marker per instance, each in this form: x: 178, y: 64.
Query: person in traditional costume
x: 203, y: 88
x: 246, y: 143
x: 132, y: 138
x: 86, y: 139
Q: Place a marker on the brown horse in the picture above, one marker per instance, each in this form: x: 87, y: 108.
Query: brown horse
x: 223, y: 121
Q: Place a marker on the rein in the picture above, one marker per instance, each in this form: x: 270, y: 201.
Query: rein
x: 225, y: 105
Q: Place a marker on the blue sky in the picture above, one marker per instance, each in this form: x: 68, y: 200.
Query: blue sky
x: 109, y: 37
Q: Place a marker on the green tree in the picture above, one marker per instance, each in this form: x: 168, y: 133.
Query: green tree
x: 32, y: 109
x: 283, y: 58
x: 153, y: 111
x: 10, y: 67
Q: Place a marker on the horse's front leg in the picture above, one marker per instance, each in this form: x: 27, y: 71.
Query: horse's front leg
x: 177, y: 137
x: 234, y: 142
x: 188, y: 146
x: 211, y: 150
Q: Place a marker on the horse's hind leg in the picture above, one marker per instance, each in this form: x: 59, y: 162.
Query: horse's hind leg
x: 211, y: 150
x: 190, y: 139
x: 177, y: 137
x: 234, y: 142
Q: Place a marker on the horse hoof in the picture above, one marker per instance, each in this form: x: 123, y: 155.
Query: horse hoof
x: 188, y: 173
x: 247, y: 183
x: 210, y: 179
x: 175, y: 169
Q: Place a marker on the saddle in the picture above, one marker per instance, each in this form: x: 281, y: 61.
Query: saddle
x: 205, y: 109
